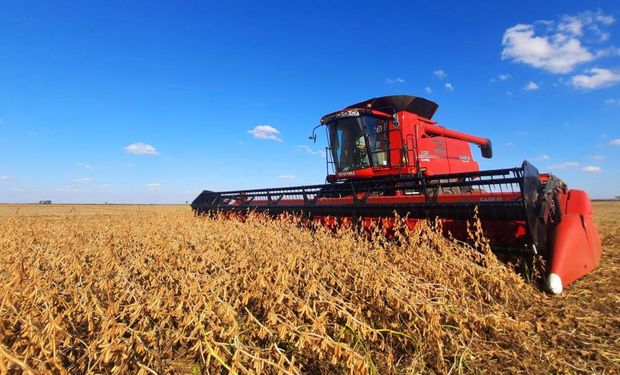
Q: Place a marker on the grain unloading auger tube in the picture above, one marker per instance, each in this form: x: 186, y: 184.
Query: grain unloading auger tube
x: 387, y: 158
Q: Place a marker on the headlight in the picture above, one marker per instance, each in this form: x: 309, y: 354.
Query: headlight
x: 342, y: 114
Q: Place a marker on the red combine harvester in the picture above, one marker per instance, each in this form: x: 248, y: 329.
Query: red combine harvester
x: 386, y: 157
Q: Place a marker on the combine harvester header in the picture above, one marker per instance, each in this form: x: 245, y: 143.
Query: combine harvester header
x: 387, y: 156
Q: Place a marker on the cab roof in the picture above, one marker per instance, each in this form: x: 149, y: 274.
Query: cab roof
x: 397, y: 103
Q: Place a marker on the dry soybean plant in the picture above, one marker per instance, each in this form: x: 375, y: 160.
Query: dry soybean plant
x: 168, y: 292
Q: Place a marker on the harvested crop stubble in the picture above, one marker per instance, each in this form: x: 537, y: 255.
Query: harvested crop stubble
x: 170, y: 292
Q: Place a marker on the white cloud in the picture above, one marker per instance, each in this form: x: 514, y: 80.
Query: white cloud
x: 612, y: 101
x: 597, y: 157
x: 428, y: 90
x: 509, y: 93
x: 615, y: 142
x: 500, y: 77
x: 591, y: 21
x: 557, y: 53
x: 572, y: 25
x: 310, y: 151
x: 598, y: 78
x: 394, y: 80
x: 83, y: 180
x: 5, y: 178
x: 543, y: 157
x: 565, y: 165
x: 607, y: 52
x: 286, y: 177
x: 591, y: 169
x: 449, y: 87
x: 440, y: 74
x: 531, y: 86
x: 557, y: 46
x: 265, y: 132
x: 141, y: 149
x: 153, y: 186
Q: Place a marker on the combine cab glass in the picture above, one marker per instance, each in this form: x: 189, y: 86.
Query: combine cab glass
x: 358, y: 142
x: 387, y: 157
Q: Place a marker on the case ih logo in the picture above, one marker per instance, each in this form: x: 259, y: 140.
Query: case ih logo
x: 348, y: 173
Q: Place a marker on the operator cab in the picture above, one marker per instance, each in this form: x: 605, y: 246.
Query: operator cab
x: 358, y: 142
x: 393, y: 136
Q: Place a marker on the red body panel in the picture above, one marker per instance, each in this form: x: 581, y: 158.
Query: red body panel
x: 439, y: 155
x: 576, y: 247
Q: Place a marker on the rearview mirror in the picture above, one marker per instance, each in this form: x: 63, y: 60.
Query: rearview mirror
x: 313, y: 136
x: 487, y: 150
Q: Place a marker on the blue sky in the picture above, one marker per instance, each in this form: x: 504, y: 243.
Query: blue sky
x: 146, y: 101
